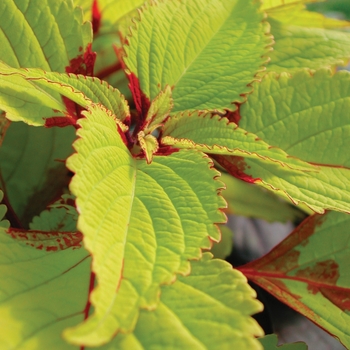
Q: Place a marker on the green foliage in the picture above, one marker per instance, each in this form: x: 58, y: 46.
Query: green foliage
x: 109, y: 202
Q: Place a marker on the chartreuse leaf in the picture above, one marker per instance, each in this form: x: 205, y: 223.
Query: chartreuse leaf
x: 306, y: 47
x: 253, y: 201
x: 32, y: 167
x: 269, y: 342
x: 328, y: 190
x: 296, y: 15
x: 3, y: 223
x: 222, y: 249
x: 270, y: 5
x: 136, y: 222
x: 59, y: 216
x: 49, y: 34
x: 108, y: 12
x: 42, y: 293
x: 219, y: 49
x: 214, y: 134
x: 309, y: 271
x: 208, y: 309
x: 311, y: 112
x: 44, y: 89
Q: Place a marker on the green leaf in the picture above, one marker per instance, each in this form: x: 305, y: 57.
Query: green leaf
x: 310, y: 111
x: 49, y: 34
x: 327, y: 189
x: 270, y: 5
x: 219, y: 49
x: 3, y: 223
x: 306, y: 47
x: 224, y: 300
x: 40, y: 89
x: 269, y: 342
x: 249, y: 200
x: 295, y: 14
x: 32, y: 168
x: 214, y: 134
x: 60, y: 216
x: 42, y: 293
x: 136, y: 222
x: 159, y: 109
x: 309, y: 271
x: 312, y: 115
x: 108, y: 11
x: 222, y: 249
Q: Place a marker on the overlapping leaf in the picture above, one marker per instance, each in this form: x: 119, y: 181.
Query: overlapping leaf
x: 270, y: 343
x: 311, y: 113
x: 213, y: 134
x: 306, y: 47
x: 42, y: 293
x: 40, y: 89
x: 30, y: 188
x: 107, y: 12
x: 269, y: 5
x: 252, y: 201
x: 296, y: 14
x: 46, y: 34
x: 309, y: 271
x: 210, y: 307
x: 136, y: 222
x: 59, y: 216
x: 219, y: 49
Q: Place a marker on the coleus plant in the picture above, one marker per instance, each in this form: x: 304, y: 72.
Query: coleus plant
x: 107, y: 245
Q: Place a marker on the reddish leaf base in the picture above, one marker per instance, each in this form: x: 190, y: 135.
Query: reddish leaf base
x: 96, y: 17
x: 83, y: 63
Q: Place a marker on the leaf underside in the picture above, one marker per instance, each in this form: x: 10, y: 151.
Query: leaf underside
x: 309, y: 272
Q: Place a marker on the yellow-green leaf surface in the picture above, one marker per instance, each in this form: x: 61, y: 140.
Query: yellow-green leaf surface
x: 306, y: 47
x: 60, y: 216
x: 329, y: 189
x: 43, y: 90
x: 310, y: 111
x: 42, y: 33
x: 208, y: 309
x: 32, y: 167
x: 109, y: 12
x: 223, y: 249
x: 296, y: 15
x: 216, y: 135
x: 309, y: 271
x: 269, y: 342
x: 136, y: 222
x: 208, y: 51
x: 270, y: 5
x: 3, y: 222
x: 312, y: 115
x: 42, y: 293
x: 249, y: 200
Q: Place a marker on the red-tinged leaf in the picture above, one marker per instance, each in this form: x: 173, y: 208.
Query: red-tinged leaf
x: 236, y: 166
x: 309, y: 271
x: 48, y: 241
x: 96, y: 17
x: 142, y: 102
x: 83, y: 63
